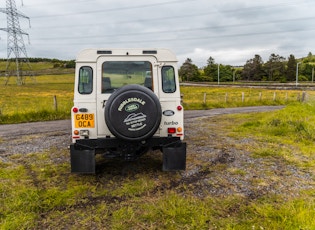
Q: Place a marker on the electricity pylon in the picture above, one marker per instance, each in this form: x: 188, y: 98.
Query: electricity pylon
x: 16, y: 51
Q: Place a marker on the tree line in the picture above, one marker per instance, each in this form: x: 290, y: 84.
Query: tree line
x: 277, y: 68
x: 56, y: 62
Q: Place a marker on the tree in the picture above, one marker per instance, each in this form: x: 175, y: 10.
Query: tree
x: 210, y: 61
x: 189, y: 71
x: 307, y: 71
x: 275, y: 67
x: 310, y: 58
x: 310, y: 55
x: 226, y: 73
x: 237, y: 73
x: 291, y: 68
x: 211, y: 70
x: 253, y: 70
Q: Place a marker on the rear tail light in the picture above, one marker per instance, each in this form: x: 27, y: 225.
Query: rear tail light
x: 75, y: 110
x: 179, y: 108
x: 171, y: 130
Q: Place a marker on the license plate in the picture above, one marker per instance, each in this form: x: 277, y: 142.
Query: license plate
x: 85, y: 120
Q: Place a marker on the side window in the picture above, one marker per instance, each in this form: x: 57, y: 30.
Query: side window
x: 85, y: 80
x: 168, y: 79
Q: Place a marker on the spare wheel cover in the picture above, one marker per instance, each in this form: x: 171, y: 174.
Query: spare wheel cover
x: 133, y: 113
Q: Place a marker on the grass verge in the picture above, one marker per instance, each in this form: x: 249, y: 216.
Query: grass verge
x: 289, y: 134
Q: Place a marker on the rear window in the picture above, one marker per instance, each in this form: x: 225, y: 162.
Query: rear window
x: 116, y: 74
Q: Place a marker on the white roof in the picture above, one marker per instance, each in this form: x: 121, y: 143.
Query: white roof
x: 91, y: 55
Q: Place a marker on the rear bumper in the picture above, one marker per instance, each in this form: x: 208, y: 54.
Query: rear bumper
x: 109, y: 143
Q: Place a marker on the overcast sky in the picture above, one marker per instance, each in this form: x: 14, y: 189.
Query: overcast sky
x: 230, y: 31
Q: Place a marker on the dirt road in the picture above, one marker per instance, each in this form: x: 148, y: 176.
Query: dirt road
x: 48, y: 127
x: 38, y: 136
x: 216, y: 112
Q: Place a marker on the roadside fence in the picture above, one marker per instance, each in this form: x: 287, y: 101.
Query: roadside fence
x: 225, y: 99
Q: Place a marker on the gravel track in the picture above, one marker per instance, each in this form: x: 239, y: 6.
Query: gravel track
x: 39, y: 136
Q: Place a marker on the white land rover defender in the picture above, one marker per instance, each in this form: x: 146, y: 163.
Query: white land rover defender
x: 126, y: 101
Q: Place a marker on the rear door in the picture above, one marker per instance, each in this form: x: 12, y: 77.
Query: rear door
x: 114, y: 72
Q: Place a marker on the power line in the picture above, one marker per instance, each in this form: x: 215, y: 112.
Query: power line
x: 184, y: 30
x: 214, y: 11
x: 252, y: 8
x: 175, y: 32
x: 195, y: 38
x: 114, y: 9
x: 58, y: 2
x: 199, y: 14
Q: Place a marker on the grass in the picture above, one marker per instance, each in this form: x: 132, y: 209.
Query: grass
x: 225, y: 97
x: 79, y: 203
x: 35, y: 101
x: 293, y: 127
x: 39, y: 68
x: 38, y: 192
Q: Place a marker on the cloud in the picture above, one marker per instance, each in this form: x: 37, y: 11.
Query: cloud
x: 229, y: 31
x: 233, y: 56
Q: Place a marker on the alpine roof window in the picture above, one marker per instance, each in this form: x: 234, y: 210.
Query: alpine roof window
x: 85, y: 80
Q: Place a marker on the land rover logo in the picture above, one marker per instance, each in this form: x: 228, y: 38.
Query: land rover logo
x: 132, y: 107
x: 129, y: 100
x: 168, y: 113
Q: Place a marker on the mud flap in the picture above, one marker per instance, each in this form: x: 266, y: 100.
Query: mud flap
x: 174, y: 157
x: 82, y: 161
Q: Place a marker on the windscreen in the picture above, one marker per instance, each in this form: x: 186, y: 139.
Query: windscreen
x: 116, y: 74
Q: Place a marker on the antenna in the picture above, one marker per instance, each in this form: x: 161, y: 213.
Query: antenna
x: 16, y: 51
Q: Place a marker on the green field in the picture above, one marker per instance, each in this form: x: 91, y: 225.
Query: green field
x: 35, y: 101
x: 204, y: 97
x: 273, y: 188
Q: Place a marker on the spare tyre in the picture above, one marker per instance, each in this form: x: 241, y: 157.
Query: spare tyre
x: 133, y: 113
